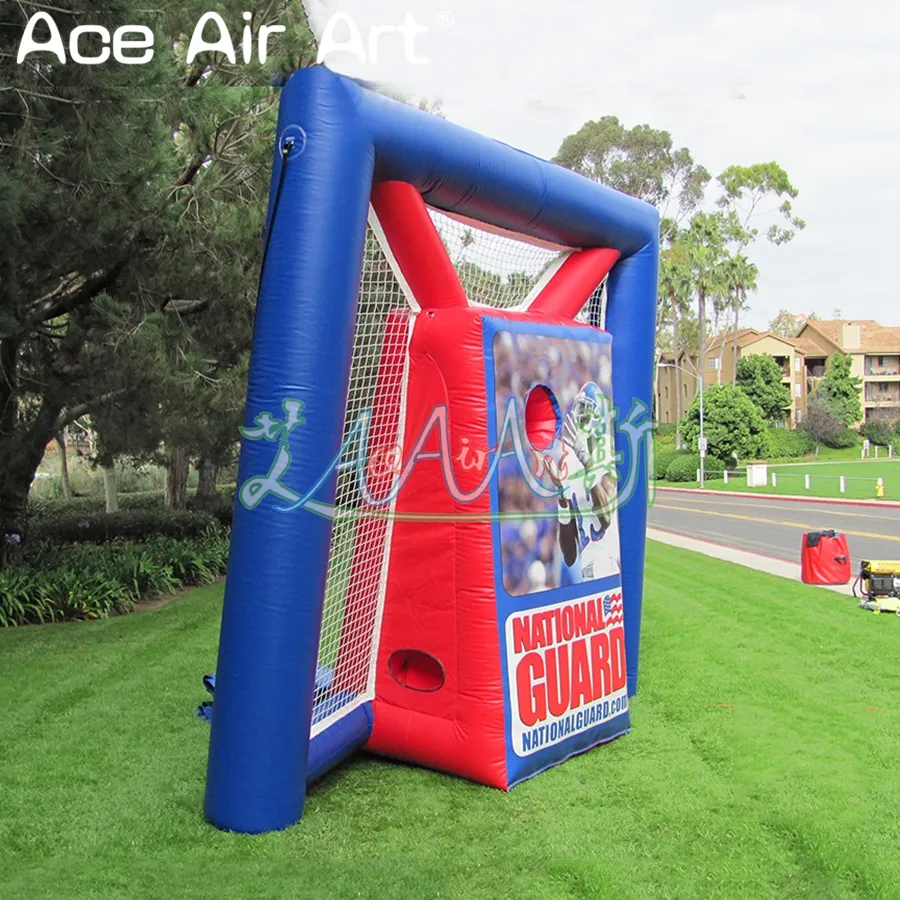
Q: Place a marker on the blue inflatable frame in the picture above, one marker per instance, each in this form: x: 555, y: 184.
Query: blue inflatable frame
x: 335, y: 138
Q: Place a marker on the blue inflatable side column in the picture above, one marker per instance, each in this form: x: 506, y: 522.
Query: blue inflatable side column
x: 302, y: 347
x: 631, y: 304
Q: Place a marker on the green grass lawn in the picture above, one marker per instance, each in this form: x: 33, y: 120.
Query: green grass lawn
x: 763, y: 764
x: 824, y: 479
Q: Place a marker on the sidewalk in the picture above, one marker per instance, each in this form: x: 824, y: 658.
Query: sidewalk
x: 770, y: 564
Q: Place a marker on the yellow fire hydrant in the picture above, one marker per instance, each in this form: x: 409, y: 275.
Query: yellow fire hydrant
x: 879, y: 489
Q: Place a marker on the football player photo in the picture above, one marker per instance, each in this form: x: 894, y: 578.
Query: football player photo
x: 572, y: 539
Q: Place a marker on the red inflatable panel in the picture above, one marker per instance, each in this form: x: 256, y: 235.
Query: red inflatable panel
x: 440, y: 583
x: 440, y: 676
x: 824, y: 558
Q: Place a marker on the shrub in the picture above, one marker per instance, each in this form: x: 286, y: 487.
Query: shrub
x: 41, y: 508
x: 787, y: 444
x: 683, y: 467
x: 880, y: 433
x: 222, y: 509
x: 665, y: 434
x: 90, y: 581
x: 37, y: 596
x: 136, y: 525
x: 843, y: 439
x: 662, y: 457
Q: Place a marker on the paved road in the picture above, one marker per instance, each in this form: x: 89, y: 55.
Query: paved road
x: 775, y: 527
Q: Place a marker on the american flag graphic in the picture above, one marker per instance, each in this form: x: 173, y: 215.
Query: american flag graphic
x: 612, y: 610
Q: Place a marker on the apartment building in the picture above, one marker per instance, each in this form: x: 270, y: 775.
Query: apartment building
x: 667, y: 386
x: 720, y: 364
x: 875, y: 352
x: 720, y: 370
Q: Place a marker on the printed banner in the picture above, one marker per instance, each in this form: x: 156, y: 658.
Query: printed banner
x: 556, y: 544
x: 566, y: 670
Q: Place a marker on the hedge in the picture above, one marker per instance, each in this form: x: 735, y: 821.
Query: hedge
x: 785, y: 443
x: 662, y: 458
x: 683, y: 467
x: 846, y: 438
x: 138, y: 513
x: 137, y: 525
x: 665, y: 434
x: 88, y: 581
x: 880, y: 433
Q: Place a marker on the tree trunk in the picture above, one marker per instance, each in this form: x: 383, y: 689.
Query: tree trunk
x: 21, y: 453
x: 206, y: 490
x: 16, y: 475
x: 13, y: 497
x: 722, y: 354
x: 676, y: 349
x: 110, y: 488
x: 64, y: 466
x: 177, y: 470
x: 734, y: 360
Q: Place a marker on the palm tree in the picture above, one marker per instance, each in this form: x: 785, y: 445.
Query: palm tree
x: 740, y: 278
x: 675, y: 287
x: 706, y: 247
x: 721, y: 305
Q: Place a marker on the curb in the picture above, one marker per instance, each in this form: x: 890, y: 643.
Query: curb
x: 789, y: 498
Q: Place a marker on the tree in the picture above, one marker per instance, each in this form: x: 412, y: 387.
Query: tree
x: 732, y: 423
x: 705, y: 243
x: 843, y: 389
x: 740, y: 279
x: 788, y: 325
x: 126, y: 193
x: 823, y: 418
x: 744, y: 188
x: 640, y: 161
x: 785, y: 324
x: 759, y: 377
x: 676, y: 290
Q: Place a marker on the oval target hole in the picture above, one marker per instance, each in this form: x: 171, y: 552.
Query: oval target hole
x: 543, y: 419
x: 416, y: 670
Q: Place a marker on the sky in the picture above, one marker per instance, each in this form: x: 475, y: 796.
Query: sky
x: 814, y: 86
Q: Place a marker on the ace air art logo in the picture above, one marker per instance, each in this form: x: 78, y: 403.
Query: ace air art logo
x: 566, y: 666
x: 134, y: 45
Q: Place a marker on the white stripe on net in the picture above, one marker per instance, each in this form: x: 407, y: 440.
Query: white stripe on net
x: 358, y: 545
x: 494, y: 270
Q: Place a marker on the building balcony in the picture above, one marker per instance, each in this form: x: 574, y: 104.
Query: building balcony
x: 881, y: 366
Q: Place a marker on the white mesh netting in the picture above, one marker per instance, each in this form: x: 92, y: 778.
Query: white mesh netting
x: 497, y: 271
x: 357, y: 559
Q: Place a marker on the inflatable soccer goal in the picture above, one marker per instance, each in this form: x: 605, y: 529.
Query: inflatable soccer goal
x: 438, y: 541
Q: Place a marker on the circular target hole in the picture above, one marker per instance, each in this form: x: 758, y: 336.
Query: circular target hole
x: 543, y: 419
x: 416, y: 670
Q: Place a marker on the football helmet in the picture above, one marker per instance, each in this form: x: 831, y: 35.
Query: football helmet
x: 590, y: 408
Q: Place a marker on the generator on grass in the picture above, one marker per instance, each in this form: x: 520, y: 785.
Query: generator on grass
x: 878, y: 583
